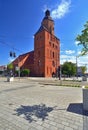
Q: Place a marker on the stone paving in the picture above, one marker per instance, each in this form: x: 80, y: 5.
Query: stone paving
x: 28, y: 105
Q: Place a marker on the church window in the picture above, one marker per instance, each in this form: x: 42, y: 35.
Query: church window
x: 53, y: 54
x: 53, y: 63
x: 50, y: 54
x: 53, y: 45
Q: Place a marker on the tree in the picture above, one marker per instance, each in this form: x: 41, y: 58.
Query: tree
x: 83, y: 39
x: 25, y: 72
x: 10, y: 68
x: 83, y: 68
x: 68, y: 68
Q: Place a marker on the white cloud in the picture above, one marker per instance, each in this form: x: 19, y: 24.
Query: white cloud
x: 61, y: 10
x: 69, y: 51
x: 64, y: 58
x: 77, y: 42
x: 78, y: 53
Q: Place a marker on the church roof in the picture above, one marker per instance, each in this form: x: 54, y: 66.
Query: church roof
x: 41, y: 29
x: 29, y: 58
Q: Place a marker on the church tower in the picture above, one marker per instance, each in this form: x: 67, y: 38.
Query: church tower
x: 46, y: 49
x: 48, y: 22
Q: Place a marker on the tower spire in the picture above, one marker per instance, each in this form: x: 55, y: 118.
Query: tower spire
x: 47, y: 13
x: 48, y: 22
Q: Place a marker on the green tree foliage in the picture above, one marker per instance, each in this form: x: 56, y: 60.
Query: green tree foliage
x: 83, y: 68
x: 83, y: 39
x: 68, y: 68
x: 10, y: 66
x: 25, y: 72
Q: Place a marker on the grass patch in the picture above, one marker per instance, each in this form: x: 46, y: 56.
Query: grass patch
x: 65, y: 85
x: 70, y: 85
x: 72, y: 80
x: 86, y: 86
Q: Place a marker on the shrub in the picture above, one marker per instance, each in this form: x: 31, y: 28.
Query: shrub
x: 25, y: 72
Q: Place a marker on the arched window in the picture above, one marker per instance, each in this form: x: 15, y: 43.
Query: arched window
x: 53, y: 45
x: 53, y: 63
x: 53, y: 54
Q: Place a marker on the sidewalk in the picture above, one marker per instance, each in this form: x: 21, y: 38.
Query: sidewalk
x: 28, y: 105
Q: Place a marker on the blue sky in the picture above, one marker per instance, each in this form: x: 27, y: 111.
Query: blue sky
x: 20, y: 19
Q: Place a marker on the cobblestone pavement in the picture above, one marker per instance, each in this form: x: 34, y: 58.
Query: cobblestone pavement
x: 28, y: 105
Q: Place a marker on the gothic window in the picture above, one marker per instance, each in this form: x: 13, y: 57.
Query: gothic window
x: 53, y: 63
x: 53, y: 45
x: 53, y: 54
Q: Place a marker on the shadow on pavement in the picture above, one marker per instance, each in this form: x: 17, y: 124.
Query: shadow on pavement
x: 77, y: 108
x: 32, y: 113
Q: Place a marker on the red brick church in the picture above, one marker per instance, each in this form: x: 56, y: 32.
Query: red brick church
x: 44, y: 61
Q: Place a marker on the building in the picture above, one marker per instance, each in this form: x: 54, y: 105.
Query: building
x: 3, y: 69
x: 45, y: 59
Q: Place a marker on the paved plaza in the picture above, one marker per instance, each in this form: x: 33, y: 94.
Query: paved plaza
x: 27, y: 104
